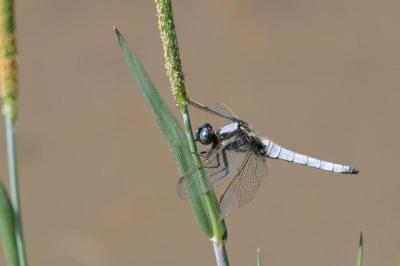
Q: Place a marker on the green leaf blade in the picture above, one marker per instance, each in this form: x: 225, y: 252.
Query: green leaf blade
x: 171, y: 129
x: 7, y: 228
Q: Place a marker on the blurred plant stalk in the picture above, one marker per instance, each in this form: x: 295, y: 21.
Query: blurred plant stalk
x: 8, y: 72
x: 360, y: 253
x: 177, y: 81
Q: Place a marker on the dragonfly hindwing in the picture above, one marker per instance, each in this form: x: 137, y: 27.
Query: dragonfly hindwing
x: 244, y: 184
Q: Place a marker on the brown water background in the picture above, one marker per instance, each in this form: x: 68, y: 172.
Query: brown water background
x: 98, y: 182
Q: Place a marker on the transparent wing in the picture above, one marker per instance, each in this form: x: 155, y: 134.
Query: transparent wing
x: 244, y: 185
x: 223, y: 108
x: 193, y: 184
x: 219, y: 164
x: 227, y: 161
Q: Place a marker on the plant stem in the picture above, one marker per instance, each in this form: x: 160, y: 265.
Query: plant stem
x: 14, y: 187
x: 220, y: 254
x: 8, y: 72
x: 258, y: 257
x: 360, y: 254
x: 209, y: 197
x: 177, y: 81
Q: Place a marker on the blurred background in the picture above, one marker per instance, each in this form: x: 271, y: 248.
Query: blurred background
x: 98, y: 182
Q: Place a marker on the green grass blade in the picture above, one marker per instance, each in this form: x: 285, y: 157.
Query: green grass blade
x: 360, y: 251
x: 170, y: 127
x: 7, y: 228
x: 258, y: 258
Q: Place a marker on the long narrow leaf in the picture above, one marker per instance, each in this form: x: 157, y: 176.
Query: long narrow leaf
x: 7, y: 228
x: 170, y: 127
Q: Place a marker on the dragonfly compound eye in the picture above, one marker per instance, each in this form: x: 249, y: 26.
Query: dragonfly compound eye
x: 205, y: 134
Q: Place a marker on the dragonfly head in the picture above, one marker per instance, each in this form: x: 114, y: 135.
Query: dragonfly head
x: 206, y: 135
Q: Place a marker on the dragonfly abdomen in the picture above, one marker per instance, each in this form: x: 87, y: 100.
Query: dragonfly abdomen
x: 275, y: 151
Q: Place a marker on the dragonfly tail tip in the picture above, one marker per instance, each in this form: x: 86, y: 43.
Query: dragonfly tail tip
x: 354, y: 171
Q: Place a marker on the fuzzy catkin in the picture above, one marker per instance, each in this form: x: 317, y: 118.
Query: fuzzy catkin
x: 8, y: 58
x: 173, y: 62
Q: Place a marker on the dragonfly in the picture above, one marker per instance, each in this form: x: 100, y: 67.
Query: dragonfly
x: 238, y: 155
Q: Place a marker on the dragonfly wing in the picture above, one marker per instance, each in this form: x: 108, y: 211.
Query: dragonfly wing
x: 244, y: 185
x: 191, y: 185
x: 224, y: 109
x: 214, y: 165
x: 229, y: 161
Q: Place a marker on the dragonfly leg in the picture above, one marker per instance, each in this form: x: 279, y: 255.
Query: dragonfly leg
x: 224, y: 171
x: 202, y: 154
x: 218, y: 166
x: 226, y: 164
x: 213, y: 166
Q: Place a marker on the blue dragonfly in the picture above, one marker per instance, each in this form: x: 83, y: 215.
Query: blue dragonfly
x: 238, y: 155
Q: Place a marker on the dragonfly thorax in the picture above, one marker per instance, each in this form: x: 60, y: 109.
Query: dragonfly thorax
x: 229, y: 130
x: 229, y: 133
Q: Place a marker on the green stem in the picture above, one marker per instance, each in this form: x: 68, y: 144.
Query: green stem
x: 258, y: 257
x: 220, y: 254
x: 209, y: 197
x: 8, y: 73
x: 177, y: 81
x: 14, y: 187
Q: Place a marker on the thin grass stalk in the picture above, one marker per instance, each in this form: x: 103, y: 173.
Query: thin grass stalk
x: 8, y: 68
x: 209, y: 197
x: 360, y: 254
x: 177, y: 81
x: 258, y: 257
x: 14, y: 189
x: 220, y: 254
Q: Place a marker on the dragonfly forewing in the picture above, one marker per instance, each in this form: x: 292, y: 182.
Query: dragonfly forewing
x: 226, y: 110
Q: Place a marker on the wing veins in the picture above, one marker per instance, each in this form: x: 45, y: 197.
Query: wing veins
x: 243, y: 186
x: 189, y: 181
